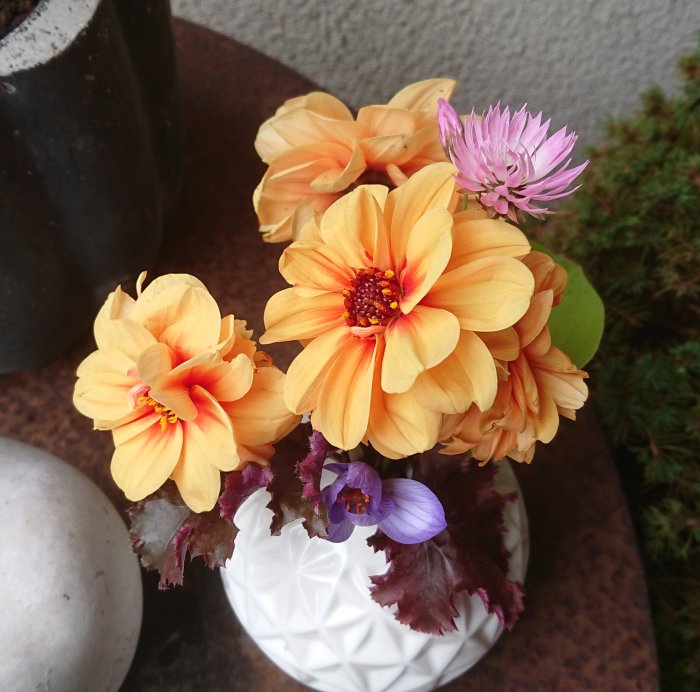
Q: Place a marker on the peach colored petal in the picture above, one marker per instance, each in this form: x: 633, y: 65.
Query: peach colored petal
x: 396, y: 175
x: 319, y: 102
x: 289, y: 316
x: 487, y: 295
x: 101, y: 393
x: 414, y: 343
x: 180, y: 313
x: 308, y: 370
x: 531, y: 324
x: 143, y: 462
x: 301, y: 127
x: 467, y: 375
x: 307, y: 263
x: 309, y: 229
x: 284, y: 199
x: 119, y: 305
x: 431, y: 187
x: 336, y: 179
x: 428, y: 250
x: 122, y: 341
x: 473, y: 240
x: 155, y: 362
x: 399, y: 426
x: 383, y: 120
x: 540, y: 345
x: 141, y: 418
x: 503, y: 344
x: 209, y: 438
x: 354, y: 227
x: 556, y: 374
x: 547, y: 421
x: 548, y: 274
x: 237, y: 337
x: 423, y: 96
x: 342, y: 411
x: 261, y: 417
x: 224, y: 381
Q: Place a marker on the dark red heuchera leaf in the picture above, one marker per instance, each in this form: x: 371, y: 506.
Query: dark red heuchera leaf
x: 288, y: 499
x: 310, y: 467
x: 469, y: 555
x: 164, y: 529
x: 239, y: 485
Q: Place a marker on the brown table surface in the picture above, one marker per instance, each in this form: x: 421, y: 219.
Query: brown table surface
x: 586, y: 623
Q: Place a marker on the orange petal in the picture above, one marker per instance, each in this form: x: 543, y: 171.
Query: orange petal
x: 224, y: 381
x: 102, y: 393
x: 289, y: 316
x: 354, y: 227
x: 427, y: 253
x: 503, y: 344
x: 399, y: 426
x: 487, y: 295
x: 210, y: 436
x: 316, y: 265
x: 467, y: 375
x: 261, y: 417
x: 301, y: 127
x: 180, y: 312
x: 423, y: 96
x: 431, y: 187
x: 143, y: 462
x: 308, y: 370
x: 531, y: 324
x: 414, y: 343
x: 343, y: 405
x: 485, y: 238
x: 336, y: 179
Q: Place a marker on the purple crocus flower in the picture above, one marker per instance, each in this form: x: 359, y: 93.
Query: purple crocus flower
x: 405, y: 510
x: 508, y: 163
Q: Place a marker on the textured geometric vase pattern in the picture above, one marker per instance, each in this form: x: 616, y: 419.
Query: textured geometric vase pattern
x: 306, y: 604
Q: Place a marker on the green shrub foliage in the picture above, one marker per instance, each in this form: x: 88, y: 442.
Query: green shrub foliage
x: 635, y: 228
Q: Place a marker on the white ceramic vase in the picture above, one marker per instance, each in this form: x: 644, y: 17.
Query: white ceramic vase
x: 306, y: 604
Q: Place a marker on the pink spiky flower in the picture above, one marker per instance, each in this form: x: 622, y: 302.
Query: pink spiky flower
x: 508, y: 163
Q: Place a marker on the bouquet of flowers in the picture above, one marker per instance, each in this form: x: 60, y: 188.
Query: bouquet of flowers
x: 435, y: 338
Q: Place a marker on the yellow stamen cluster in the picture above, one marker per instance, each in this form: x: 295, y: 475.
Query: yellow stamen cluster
x: 166, y: 415
x: 372, y: 298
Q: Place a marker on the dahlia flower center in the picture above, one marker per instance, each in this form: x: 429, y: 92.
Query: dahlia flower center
x: 166, y: 415
x: 372, y: 298
x: 353, y: 500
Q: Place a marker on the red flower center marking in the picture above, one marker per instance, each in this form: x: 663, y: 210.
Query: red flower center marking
x: 372, y: 298
x: 353, y: 500
x: 166, y: 415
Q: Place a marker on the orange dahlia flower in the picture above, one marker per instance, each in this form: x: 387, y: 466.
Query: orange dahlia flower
x: 183, y: 391
x: 387, y: 292
x: 538, y: 382
x: 315, y: 151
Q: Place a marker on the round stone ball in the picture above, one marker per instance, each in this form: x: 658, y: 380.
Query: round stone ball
x: 70, y: 588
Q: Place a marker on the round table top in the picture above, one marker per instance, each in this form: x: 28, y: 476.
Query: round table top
x: 586, y: 623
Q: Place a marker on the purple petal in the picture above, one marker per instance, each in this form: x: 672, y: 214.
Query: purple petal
x: 364, y: 477
x: 418, y: 514
x: 337, y: 533
x: 329, y: 495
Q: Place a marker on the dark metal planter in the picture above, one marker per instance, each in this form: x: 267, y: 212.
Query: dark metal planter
x: 90, y: 164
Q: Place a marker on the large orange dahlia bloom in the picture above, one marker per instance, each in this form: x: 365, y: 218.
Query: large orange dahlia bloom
x: 387, y: 293
x: 315, y: 151
x: 184, y: 392
x: 538, y: 382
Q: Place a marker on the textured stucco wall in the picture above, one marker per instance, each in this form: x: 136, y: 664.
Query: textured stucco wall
x: 578, y: 60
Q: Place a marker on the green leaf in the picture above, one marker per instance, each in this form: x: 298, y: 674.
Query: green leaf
x: 576, y: 324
